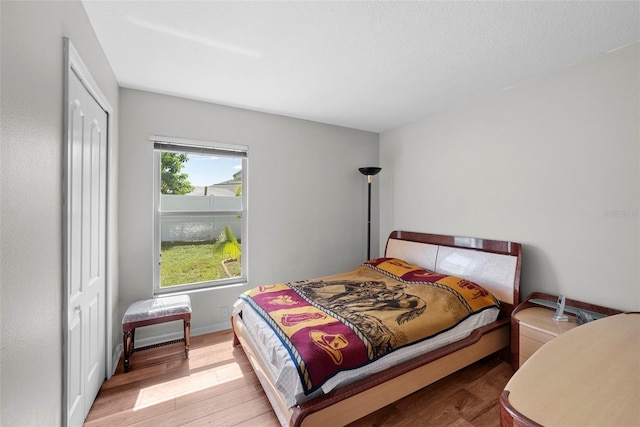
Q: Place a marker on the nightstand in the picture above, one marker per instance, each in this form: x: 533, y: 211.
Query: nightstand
x: 532, y: 323
x: 537, y: 327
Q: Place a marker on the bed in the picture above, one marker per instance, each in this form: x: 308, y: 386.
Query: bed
x: 480, y: 277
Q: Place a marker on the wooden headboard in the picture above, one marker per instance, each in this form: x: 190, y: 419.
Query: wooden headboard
x: 494, y: 264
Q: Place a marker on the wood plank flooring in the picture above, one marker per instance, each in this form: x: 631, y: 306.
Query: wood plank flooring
x: 217, y: 386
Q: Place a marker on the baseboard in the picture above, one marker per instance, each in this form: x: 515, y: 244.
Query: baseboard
x: 216, y: 327
x: 117, y: 352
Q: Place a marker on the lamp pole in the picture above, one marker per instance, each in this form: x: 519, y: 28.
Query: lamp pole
x: 369, y: 172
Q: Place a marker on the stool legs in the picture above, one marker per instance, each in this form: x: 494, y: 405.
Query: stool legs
x: 129, y: 334
x: 187, y: 334
x: 127, y: 341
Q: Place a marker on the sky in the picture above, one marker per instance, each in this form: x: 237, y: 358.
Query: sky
x: 207, y: 170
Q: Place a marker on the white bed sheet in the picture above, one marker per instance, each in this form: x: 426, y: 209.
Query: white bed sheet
x: 284, y: 372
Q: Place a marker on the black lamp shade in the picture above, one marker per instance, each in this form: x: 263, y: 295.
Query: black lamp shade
x: 369, y: 170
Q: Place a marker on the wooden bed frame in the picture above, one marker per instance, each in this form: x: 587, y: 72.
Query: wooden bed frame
x: 493, y: 264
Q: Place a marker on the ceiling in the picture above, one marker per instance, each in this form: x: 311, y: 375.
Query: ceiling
x: 370, y: 65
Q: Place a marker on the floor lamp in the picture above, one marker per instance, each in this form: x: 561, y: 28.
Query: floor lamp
x: 369, y: 172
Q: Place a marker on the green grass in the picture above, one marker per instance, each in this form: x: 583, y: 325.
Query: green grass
x: 192, y: 262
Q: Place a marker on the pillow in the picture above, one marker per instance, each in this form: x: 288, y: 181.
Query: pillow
x: 405, y: 271
x: 477, y: 296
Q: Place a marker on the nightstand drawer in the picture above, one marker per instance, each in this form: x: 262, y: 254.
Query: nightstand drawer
x: 528, y: 346
x: 535, y: 334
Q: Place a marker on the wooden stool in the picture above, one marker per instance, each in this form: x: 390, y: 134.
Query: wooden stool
x: 151, y: 312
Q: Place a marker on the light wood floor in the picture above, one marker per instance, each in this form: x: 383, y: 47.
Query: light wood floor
x: 217, y: 386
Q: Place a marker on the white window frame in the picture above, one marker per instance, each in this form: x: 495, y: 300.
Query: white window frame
x: 164, y: 144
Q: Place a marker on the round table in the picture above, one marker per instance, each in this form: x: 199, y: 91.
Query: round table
x: 588, y: 376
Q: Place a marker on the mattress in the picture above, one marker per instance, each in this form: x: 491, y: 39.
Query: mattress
x: 284, y: 373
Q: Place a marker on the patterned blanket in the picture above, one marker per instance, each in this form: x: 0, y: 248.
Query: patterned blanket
x: 344, y: 321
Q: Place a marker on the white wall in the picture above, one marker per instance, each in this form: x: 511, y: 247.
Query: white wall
x: 307, y: 200
x: 31, y: 200
x: 551, y: 163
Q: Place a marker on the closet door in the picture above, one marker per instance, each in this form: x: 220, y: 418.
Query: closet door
x: 86, y: 247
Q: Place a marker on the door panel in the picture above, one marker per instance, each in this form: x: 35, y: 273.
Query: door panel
x: 74, y: 386
x: 95, y: 349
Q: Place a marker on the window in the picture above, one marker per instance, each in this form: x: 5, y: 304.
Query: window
x: 200, y: 214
